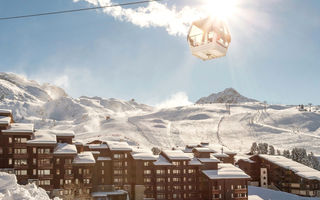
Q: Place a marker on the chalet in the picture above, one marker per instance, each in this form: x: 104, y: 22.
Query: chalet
x: 283, y: 174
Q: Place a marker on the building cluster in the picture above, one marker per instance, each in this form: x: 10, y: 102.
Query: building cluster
x: 114, y: 170
x: 280, y: 173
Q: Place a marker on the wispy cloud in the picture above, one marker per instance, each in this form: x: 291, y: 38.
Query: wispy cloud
x: 155, y: 14
x: 178, y: 99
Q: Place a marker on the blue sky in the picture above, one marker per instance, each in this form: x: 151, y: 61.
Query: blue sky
x: 274, y: 54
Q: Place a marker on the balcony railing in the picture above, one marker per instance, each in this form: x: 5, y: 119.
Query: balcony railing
x: 242, y: 190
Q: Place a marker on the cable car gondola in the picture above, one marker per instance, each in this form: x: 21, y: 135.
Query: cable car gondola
x: 209, y: 38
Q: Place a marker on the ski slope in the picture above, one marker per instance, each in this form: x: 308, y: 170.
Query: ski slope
x: 49, y: 107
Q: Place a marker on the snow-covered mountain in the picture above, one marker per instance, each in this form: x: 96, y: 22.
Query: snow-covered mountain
x: 49, y: 107
x: 229, y: 95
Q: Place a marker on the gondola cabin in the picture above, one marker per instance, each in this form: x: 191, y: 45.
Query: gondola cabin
x: 209, y: 38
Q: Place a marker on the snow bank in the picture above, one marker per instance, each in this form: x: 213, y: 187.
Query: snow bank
x: 10, y: 190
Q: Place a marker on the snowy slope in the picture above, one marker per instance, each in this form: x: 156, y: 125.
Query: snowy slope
x: 49, y: 107
x: 10, y: 190
x: 229, y: 95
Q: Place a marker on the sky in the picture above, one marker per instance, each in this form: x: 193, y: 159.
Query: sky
x: 141, y: 52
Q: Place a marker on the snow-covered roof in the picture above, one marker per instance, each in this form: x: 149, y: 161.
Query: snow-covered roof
x: 20, y: 128
x: 64, y: 148
x: 226, y: 171
x: 5, y: 111
x: 220, y: 155
x: 95, y: 152
x: 244, y: 158
x: 194, y: 161
x: 85, y: 157
x: 176, y: 155
x: 144, y: 156
x: 98, y: 146
x: 208, y: 160
x: 299, y: 169
x: 162, y: 161
x: 100, y: 158
x: 204, y: 150
x: 61, y: 133
x: 40, y: 137
x: 119, y: 146
x: 5, y: 120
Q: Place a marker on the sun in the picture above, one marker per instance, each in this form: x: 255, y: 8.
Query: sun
x: 220, y: 8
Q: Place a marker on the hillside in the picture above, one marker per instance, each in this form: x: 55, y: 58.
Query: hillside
x: 93, y: 117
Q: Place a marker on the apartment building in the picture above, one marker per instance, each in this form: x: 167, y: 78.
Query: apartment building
x: 278, y: 172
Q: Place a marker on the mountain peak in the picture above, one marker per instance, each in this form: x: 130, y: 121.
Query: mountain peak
x: 229, y: 95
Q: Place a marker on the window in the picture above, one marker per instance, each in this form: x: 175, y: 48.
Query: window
x: 21, y: 172
x: 176, y: 179
x: 68, y: 171
x: 80, y: 171
x: 10, y: 161
x: 117, y: 172
x: 20, y: 140
x: 34, y: 161
x: 67, y: 182
x: 34, y: 172
x: 191, y: 171
x: 147, y: 180
x: 43, y: 151
x: 1, y: 150
x: 68, y: 161
x: 102, y: 164
x: 44, y: 182
x: 20, y: 162
x: 146, y: 164
x: 118, y: 156
x: 34, y: 150
x: 43, y: 172
x: 102, y: 172
x: 10, y: 140
x: 160, y: 171
x: 58, y: 171
x: 161, y: 188
x: 147, y: 172
x: 86, y: 181
x: 176, y: 163
x: 176, y: 171
x: 161, y: 180
x: 61, y: 181
x: 118, y: 180
x: 102, y: 180
x: 44, y: 161
x: 117, y: 164
x: 86, y: 171
x: 9, y: 150
x: 161, y: 196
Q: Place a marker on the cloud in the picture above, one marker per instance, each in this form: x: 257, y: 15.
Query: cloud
x: 178, y: 99
x: 62, y: 81
x: 176, y: 22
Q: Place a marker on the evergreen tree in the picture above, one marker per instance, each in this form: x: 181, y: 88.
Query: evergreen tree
x: 272, y: 151
x: 263, y: 148
x: 254, y: 148
x: 278, y: 152
x: 286, y: 153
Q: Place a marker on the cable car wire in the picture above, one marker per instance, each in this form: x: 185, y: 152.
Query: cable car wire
x: 77, y: 10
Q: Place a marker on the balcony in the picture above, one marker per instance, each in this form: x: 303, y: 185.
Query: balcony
x: 45, y: 166
x: 242, y: 190
x: 42, y: 176
x: 20, y: 166
x: 18, y: 156
x: 68, y: 176
x: 216, y: 191
x: 45, y: 156
x: 87, y: 176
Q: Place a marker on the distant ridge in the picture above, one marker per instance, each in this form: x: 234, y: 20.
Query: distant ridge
x: 229, y: 95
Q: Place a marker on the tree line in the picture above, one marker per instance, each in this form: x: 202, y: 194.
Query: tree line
x: 299, y: 155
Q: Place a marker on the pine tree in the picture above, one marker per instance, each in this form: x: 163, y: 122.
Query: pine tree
x: 254, y: 149
x: 263, y: 148
x: 272, y: 151
x: 286, y: 153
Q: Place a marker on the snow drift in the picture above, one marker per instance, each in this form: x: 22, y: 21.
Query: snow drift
x: 10, y: 190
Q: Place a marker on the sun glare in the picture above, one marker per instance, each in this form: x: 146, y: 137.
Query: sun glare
x: 220, y: 8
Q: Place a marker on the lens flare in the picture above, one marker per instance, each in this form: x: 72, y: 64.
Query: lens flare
x: 220, y: 8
